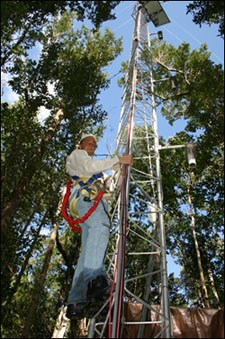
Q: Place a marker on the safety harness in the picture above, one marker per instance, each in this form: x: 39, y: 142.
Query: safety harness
x: 86, y: 184
x: 97, y: 199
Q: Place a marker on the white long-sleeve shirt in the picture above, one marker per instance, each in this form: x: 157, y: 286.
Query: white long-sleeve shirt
x: 83, y: 165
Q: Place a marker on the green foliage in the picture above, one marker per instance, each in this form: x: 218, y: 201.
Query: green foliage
x: 20, y: 135
x: 27, y: 19
x: 34, y: 153
x: 176, y: 295
x: 209, y: 12
x: 69, y: 60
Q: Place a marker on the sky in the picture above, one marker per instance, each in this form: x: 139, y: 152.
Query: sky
x: 181, y: 28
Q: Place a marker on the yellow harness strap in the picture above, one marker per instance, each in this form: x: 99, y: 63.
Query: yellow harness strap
x: 90, y: 193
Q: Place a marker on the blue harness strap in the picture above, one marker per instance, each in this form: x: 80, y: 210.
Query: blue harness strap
x: 90, y: 180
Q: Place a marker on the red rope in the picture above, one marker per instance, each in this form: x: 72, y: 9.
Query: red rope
x: 71, y: 221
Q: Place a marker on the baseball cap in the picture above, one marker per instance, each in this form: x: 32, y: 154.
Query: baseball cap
x: 88, y: 135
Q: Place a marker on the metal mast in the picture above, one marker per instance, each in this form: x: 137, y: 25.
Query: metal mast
x: 137, y: 263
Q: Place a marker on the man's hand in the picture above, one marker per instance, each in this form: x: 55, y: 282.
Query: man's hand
x: 126, y: 160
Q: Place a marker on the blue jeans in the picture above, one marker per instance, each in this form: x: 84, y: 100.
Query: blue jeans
x: 94, y: 242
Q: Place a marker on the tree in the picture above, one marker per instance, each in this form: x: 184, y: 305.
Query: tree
x: 78, y: 79
x: 22, y: 23
x: 209, y: 12
x: 203, y: 113
x: 33, y: 157
x: 41, y: 279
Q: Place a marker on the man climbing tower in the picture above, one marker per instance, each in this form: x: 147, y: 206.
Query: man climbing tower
x: 90, y: 279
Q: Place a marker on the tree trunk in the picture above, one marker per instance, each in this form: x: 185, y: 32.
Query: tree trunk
x: 15, y: 286
x: 61, y: 325
x: 205, y: 295
x: 211, y: 278
x: 31, y: 168
x: 41, y: 279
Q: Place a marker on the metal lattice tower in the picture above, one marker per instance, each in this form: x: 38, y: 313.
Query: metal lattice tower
x: 137, y: 262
